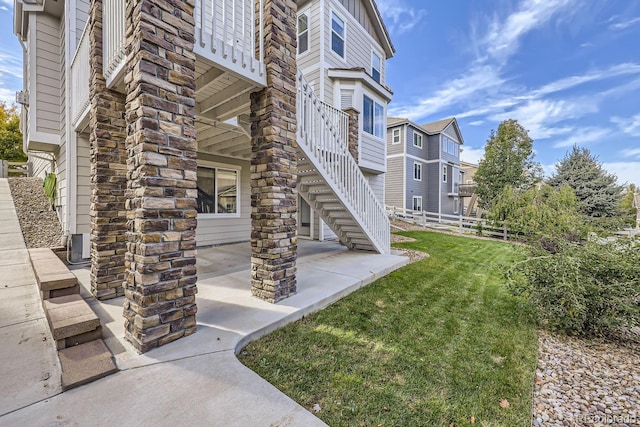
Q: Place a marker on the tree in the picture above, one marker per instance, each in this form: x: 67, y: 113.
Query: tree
x: 597, y: 190
x: 10, y: 136
x: 508, y: 161
x: 539, y: 213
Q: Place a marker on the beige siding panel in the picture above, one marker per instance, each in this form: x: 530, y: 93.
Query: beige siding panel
x: 394, y: 182
x: 49, y: 73
x: 217, y: 231
x: 40, y: 167
x: 63, y: 178
x: 313, y: 78
x: 372, y: 149
x: 357, y: 10
x: 311, y: 57
x: 376, y: 182
x: 83, y: 182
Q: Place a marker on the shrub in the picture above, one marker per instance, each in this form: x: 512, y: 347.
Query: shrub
x: 581, y: 288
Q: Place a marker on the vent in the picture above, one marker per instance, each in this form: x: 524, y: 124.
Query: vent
x: 22, y: 97
x: 346, y: 98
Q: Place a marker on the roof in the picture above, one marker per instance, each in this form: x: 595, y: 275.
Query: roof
x: 439, y: 126
x: 393, y: 121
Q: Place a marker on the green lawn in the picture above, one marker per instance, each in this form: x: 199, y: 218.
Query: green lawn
x: 434, y: 343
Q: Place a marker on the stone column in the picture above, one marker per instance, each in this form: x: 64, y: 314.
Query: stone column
x: 108, y: 172
x: 273, y: 159
x: 354, y: 132
x: 160, y: 261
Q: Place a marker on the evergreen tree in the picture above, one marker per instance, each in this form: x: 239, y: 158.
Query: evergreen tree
x: 508, y: 161
x: 597, y: 190
x: 10, y: 136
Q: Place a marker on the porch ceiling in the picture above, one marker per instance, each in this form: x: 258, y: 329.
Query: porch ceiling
x: 222, y: 111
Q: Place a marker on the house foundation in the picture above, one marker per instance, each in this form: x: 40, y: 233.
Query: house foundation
x: 273, y: 159
x: 160, y: 261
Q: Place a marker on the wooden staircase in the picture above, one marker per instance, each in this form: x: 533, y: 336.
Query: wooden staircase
x: 330, y: 180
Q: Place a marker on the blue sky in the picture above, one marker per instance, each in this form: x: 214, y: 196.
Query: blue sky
x: 568, y: 70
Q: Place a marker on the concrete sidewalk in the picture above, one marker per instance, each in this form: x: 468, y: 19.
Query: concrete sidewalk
x: 197, y: 380
x: 29, y: 366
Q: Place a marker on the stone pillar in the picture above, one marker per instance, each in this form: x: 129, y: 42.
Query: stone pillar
x: 354, y: 132
x: 160, y: 262
x: 108, y: 172
x: 273, y: 159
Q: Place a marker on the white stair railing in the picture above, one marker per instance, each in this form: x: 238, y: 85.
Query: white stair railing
x: 321, y: 143
x: 113, y: 38
x: 340, y: 121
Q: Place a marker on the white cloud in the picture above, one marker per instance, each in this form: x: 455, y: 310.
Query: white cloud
x: 10, y: 64
x: 621, y: 25
x: 583, y: 136
x: 472, y: 155
x: 629, y: 125
x: 476, y: 123
x: 625, y: 171
x: 5, y: 8
x: 631, y: 152
x: 7, y: 96
x: 399, y: 17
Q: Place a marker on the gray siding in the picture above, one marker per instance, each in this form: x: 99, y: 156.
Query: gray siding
x: 416, y: 188
x: 413, y: 150
x: 82, y: 15
x: 395, y: 148
x: 432, y: 189
x: 216, y: 231
x: 433, y: 147
x: 394, y: 182
x: 83, y: 183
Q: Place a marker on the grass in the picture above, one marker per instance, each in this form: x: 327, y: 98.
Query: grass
x: 437, y: 342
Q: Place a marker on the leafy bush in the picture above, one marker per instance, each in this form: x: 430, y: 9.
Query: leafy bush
x: 582, y: 288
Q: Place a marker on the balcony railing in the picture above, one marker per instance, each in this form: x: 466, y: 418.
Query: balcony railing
x: 113, y: 39
x: 80, y: 74
x: 340, y: 121
x: 225, y: 33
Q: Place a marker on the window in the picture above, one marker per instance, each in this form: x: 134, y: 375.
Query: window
x: 396, y: 136
x: 337, y: 34
x: 376, y: 66
x: 417, y: 171
x: 417, y: 203
x: 444, y: 144
x: 417, y: 140
x: 373, y: 117
x: 450, y: 146
x: 303, y: 33
x: 217, y: 191
x: 456, y: 202
x: 444, y: 173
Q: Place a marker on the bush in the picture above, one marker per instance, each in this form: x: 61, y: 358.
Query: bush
x: 581, y: 288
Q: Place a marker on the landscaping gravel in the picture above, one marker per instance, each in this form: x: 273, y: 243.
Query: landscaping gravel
x: 40, y: 225
x: 586, y: 383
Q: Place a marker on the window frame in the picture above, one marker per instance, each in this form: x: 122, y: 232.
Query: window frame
x: 375, y: 53
x: 343, y: 37
x: 226, y: 167
x: 456, y: 205
x: 417, y: 166
x: 418, y: 136
x: 307, y: 32
x: 377, y: 129
x: 413, y: 203
x: 393, y: 136
x: 444, y: 173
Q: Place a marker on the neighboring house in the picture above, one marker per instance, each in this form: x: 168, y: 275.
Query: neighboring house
x: 469, y: 170
x: 205, y: 126
x: 423, y: 165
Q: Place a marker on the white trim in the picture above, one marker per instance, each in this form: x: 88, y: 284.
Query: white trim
x: 304, y: 12
x: 413, y: 204
x: 456, y: 203
x: 71, y: 151
x: 364, y: 77
x: 384, y: 116
x: 445, y: 173
x: 411, y: 156
x: 236, y: 168
x: 376, y: 53
x: 393, y: 136
x: 419, y: 169
x: 344, y: 37
x: 338, y: 5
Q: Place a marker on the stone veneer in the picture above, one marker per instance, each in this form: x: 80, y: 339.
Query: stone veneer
x: 273, y: 159
x: 108, y: 172
x: 354, y: 132
x: 160, y: 262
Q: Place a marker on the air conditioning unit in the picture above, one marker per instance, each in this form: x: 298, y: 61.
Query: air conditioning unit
x: 22, y: 97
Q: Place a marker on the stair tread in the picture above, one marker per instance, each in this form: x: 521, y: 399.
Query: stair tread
x: 69, y: 316
x: 50, y: 271
x: 85, y: 363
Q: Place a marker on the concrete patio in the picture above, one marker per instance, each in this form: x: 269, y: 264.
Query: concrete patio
x: 197, y: 380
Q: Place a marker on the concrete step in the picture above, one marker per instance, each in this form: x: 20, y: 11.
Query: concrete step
x: 84, y: 363
x: 71, y: 320
x: 51, y: 273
